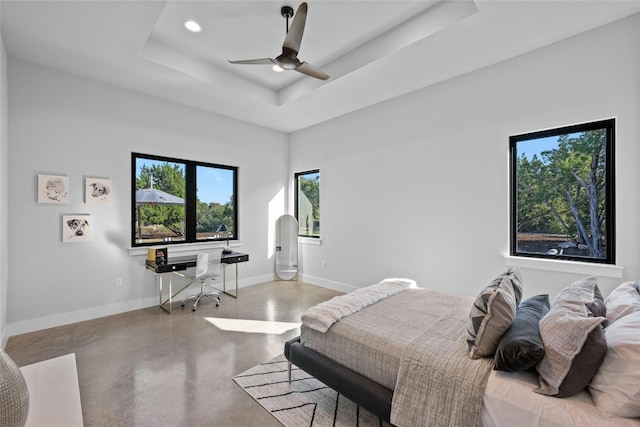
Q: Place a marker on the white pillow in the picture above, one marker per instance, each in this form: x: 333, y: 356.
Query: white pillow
x: 616, y: 386
x: 623, y: 300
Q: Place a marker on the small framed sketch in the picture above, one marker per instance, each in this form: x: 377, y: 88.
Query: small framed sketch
x: 77, y: 228
x: 53, y: 189
x: 97, y: 190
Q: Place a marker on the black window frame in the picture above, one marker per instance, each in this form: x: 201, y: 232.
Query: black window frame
x: 297, y: 176
x: 609, y: 126
x: 190, y: 201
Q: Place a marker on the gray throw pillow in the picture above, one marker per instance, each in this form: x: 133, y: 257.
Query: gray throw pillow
x: 585, y: 364
x: 520, y: 348
x: 573, y: 341
x: 597, y: 306
x: 493, y: 312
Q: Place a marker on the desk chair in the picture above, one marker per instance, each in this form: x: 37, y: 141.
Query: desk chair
x: 207, y: 268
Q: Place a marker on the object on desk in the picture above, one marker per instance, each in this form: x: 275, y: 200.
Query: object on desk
x: 207, y: 268
x: 158, y: 255
x: 222, y: 229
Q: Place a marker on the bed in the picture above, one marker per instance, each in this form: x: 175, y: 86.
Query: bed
x: 369, y: 355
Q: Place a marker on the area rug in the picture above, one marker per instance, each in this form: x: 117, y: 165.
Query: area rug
x: 303, y: 402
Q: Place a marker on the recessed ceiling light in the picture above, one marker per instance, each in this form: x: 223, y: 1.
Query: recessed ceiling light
x: 277, y: 68
x: 192, y: 26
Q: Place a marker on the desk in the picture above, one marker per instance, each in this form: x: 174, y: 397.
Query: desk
x: 178, y: 264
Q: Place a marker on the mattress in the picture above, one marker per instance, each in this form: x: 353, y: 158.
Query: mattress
x: 371, y: 341
x: 509, y: 399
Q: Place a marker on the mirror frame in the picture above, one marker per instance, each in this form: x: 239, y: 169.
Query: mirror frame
x: 290, y: 272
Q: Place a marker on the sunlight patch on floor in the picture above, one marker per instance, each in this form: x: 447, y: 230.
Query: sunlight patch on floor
x: 252, y: 326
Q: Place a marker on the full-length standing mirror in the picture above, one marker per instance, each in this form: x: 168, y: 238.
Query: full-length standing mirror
x: 287, y: 247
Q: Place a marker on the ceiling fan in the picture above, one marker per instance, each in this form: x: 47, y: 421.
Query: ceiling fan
x: 288, y: 60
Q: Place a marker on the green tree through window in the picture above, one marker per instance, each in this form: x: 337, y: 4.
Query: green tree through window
x: 563, y: 193
x: 181, y: 201
x: 307, y: 203
x: 157, y: 218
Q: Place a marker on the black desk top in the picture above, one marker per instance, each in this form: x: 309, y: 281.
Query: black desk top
x: 179, y: 263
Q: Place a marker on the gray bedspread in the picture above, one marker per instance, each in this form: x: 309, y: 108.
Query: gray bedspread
x: 438, y: 383
x: 372, y: 340
x: 414, y: 343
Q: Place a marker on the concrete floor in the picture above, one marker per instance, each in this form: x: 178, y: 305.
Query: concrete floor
x: 149, y: 368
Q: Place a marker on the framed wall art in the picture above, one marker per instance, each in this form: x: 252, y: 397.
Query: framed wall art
x: 98, y: 190
x: 53, y: 189
x: 77, y: 228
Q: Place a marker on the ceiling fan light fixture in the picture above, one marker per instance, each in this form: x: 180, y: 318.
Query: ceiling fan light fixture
x: 277, y: 68
x: 192, y: 26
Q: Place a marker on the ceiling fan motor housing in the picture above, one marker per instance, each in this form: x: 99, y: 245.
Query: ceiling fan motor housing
x: 288, y: 60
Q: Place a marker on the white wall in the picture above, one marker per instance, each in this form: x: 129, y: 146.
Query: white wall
x: 4, y: 173
x: 414, y: 187
x: 418, y: 186
x: 65, y: 124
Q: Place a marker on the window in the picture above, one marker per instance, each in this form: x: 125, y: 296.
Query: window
x: 562, y: 193
x: 307, y: 203
x: 180, y: 201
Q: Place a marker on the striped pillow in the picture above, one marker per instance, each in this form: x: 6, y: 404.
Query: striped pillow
x: 493, y: 312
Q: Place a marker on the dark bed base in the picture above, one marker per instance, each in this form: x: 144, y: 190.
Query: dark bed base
x: 368, y: 394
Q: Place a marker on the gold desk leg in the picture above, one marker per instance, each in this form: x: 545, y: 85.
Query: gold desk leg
x: 166, y: 305
x: 237, y: 279
x: 160, y: 286
x: 159, y: 280
x: 170, y: 292
x: 224, y: 281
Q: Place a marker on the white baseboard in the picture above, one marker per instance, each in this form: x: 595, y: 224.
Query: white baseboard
x: 336, y: 286
x: 62, y: 319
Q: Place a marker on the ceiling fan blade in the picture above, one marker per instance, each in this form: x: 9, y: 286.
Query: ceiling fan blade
x: 294, y: 36
x: 267, y: 61
x: 310, y: 70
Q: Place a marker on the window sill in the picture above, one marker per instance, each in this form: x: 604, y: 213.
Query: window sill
x: 604, y: 270
x: 184, y: 247
x: 309, y: 241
